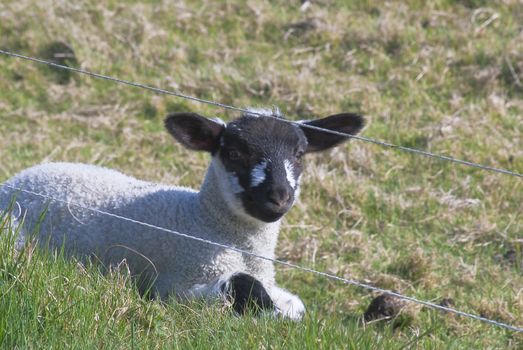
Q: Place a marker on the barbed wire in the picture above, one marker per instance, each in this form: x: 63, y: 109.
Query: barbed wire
x: 277, y: 261
x: 244, y: 110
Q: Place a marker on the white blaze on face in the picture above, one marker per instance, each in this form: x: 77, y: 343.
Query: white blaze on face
x: 258, y: 173
x: 289, y: 171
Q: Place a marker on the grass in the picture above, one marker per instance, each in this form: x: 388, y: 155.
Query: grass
x: 443, y: 76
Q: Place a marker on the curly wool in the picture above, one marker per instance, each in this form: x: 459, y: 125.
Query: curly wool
x: 176, y: 264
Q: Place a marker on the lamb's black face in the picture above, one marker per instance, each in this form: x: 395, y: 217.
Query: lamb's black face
x: 262, y: 157
x: 258, y: 158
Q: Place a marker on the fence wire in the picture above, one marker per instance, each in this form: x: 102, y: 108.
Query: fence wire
x: 277, y: 261
x: 225, y: 106
x: 245, y: 252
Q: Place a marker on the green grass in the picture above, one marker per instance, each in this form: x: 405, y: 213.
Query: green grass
x: 435, y: 76
x: 49, y: 301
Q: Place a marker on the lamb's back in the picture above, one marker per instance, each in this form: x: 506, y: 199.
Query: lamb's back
x: 85, y: 184
x: 78, y: 186
x: 181, y: 262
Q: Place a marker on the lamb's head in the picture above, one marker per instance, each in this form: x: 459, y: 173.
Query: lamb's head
x: 260, y: 157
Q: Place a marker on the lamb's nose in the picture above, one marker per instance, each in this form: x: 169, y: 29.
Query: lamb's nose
x: 279, y: 196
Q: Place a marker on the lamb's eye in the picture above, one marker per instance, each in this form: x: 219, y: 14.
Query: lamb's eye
x: 234, y: 154
x: 299, y: 154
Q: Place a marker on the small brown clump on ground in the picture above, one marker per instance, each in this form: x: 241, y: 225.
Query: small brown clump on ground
x: 384, y: 306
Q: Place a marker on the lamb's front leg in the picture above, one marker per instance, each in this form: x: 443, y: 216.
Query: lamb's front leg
x: 287, y: 304
x: 241, y: 290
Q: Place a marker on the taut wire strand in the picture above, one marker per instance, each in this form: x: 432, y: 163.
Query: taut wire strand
x: 281, y: 262
x: 225, y: 106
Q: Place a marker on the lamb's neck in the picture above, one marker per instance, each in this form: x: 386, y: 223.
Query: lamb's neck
x: 218, y: 209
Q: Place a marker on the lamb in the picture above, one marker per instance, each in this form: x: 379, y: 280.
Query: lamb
x: 252, y: 181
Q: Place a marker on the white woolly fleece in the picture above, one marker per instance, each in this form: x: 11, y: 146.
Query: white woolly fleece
x: 177, y: 265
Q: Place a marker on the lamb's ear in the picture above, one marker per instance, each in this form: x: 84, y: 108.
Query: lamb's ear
x: 347, y: 123
x: 195, y: 131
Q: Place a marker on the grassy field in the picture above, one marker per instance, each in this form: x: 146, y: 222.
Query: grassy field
x: 443, y: 76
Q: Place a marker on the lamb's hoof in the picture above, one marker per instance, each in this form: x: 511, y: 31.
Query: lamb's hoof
x: 292, y: 308
x: 247, y: 293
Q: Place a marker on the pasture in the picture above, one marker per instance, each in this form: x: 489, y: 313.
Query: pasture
x: 443, y: 76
